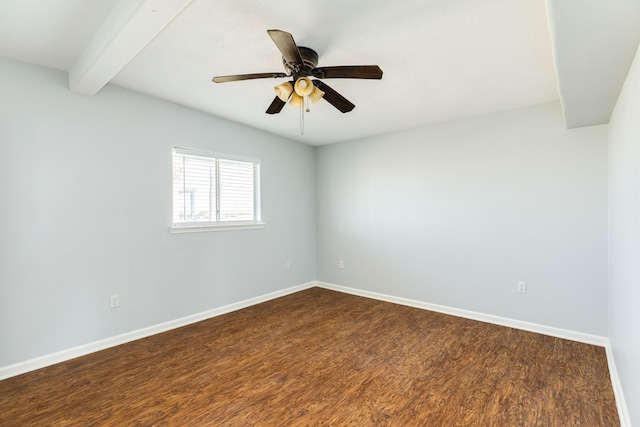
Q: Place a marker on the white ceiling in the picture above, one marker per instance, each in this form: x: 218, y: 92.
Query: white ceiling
x: 442, y: 59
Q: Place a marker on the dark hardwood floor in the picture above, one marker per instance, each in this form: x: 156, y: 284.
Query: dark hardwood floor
x: 320, y: 357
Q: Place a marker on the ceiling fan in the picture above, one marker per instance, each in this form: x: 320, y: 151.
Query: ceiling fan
x: 300, y: 63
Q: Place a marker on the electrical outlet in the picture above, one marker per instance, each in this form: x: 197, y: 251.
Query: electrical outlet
x: 522, y: 287
x: 287, y: 265
x: 115, y: 301
x: 340, y: 264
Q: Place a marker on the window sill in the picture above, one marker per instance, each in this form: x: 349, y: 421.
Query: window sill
x: 197, y: 228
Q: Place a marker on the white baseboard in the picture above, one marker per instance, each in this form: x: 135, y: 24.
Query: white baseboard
x: 474, y: 315
x: 82, y: 350
x: 623, y: 412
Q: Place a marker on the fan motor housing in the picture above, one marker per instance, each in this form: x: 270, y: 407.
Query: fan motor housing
x: 309, y: 62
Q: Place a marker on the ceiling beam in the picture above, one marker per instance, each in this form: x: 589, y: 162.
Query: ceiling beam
x: 129, y: 28
x: 593, y: 43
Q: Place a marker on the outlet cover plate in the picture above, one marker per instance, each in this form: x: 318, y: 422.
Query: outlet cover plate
x: 522, y: 287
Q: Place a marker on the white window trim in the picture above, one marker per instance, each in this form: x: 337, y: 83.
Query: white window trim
x: 198, y: 228
x: 219, y: 226
x: 216, y: 154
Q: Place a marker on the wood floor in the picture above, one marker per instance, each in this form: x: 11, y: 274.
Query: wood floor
x: 320, y: 357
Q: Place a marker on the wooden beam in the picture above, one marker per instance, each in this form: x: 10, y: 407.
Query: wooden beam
x: 130, y: 27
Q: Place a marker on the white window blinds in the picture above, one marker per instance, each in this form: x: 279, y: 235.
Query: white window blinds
x: 210, y: 190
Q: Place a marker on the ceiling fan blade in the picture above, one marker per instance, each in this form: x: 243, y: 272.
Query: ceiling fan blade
x: 348, y: 72
x: 237, y: 77
x: 276, y: 106
x: 334, y: 98
x: 287, y: 46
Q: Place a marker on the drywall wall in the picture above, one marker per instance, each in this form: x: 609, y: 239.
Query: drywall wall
x: 624, y: 238
x: 456, y: 214
x: 85, y: 212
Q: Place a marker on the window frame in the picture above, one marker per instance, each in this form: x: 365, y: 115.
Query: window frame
x: 196, y: 227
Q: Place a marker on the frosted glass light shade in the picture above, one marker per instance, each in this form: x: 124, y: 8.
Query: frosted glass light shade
x: 284, y: 91
x: 315, y: 95
x: 304, y: 86
x: 296, y: 100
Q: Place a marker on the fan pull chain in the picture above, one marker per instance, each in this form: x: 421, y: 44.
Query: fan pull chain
x: 302, y: 118
x: 302, y: 110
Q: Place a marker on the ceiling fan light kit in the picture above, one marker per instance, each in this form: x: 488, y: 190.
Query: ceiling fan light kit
x: 284, y: 91
x: 303, y: 86
x: 300, y: 63
x: 315, y: 95
x: 296, y: 100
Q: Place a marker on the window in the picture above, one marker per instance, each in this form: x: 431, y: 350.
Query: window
x: 214, y: 193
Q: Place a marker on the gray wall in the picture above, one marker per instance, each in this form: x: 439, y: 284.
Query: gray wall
x: 456, y: 214
x: 85, y: 212
x: 624, y: 238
